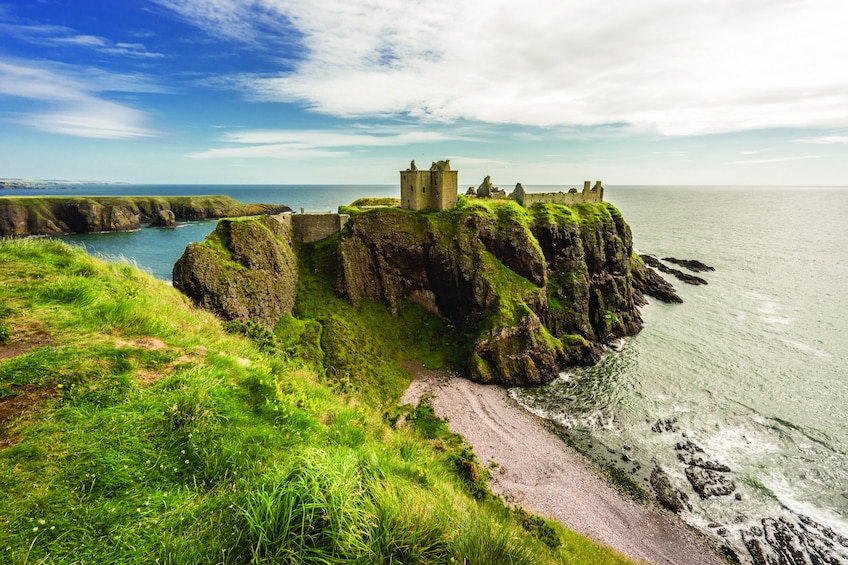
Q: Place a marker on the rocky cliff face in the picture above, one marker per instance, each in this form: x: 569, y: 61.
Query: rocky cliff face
x: 529, y: 290
x: 533, y: 290
x: 21, y: 216
x: 244, y: 270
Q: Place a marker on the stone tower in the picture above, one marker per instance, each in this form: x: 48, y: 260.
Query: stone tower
x: 435, y: 189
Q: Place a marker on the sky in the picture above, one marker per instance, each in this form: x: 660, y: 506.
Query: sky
x: 554, y: 92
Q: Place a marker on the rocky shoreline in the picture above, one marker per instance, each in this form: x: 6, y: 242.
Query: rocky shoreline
x: 793, y: 539
x: 534, y: 469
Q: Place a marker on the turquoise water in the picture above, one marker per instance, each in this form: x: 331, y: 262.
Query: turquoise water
x: 752, y: 367
x: 157, y: 250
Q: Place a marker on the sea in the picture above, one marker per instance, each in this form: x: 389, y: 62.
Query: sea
x: 752, y: 368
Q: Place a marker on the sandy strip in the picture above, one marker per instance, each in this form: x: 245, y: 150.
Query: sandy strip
x: 543, y: 475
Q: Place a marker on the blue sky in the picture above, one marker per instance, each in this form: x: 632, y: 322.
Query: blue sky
x: 334, y: 91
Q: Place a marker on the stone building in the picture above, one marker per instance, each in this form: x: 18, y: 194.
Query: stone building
x: 435, y: 189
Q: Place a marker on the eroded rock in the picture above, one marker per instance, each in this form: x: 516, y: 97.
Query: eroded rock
x: 670, y: 497
x: 244, y: 270
x: 532, y: 294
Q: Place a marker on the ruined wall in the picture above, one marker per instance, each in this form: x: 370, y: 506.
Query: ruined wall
x: 589, y: 194
x: 307, y: 228
x: 446, y: 189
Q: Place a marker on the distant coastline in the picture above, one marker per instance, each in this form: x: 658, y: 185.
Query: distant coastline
x: 40, y: 184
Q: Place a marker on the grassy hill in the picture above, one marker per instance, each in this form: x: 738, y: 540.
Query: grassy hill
x: 135, y: 428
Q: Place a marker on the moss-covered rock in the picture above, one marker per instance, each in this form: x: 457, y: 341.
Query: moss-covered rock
x: 531, y: 290
x: 244, y: 270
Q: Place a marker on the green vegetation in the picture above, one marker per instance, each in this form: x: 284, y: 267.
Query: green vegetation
x: 137, y: 429
x: 372, y: 201
x: 145, y: 203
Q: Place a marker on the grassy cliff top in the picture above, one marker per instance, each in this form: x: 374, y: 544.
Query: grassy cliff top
x: 135, y: 429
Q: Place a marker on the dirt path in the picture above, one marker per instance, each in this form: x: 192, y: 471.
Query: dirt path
x: 539, y: 472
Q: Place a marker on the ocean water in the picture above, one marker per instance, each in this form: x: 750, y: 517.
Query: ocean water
x: 752, y: 367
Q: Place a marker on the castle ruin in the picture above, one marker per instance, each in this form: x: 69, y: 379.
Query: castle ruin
x: 589, y: 194
x: 435, y: 189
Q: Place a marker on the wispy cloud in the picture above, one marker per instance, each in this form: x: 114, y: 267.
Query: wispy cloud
x: 61, y: 36
x: 676, y: 69
x: 825, y: 139
x: 775, y: 160
x: 72, y: 100
x: 315, y: 143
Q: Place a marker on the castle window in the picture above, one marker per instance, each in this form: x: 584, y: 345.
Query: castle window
x: 423, y: 189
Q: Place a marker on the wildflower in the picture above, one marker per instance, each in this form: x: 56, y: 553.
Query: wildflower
x: 59, y: 385
x: 35, y: 529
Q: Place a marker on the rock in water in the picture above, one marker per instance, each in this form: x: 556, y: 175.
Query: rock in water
x: 667, y: 495
x: 649, y: 282
x: 652, y: 261
x: 692, y: 264
x: 164, y: 219
x: 244, y: 270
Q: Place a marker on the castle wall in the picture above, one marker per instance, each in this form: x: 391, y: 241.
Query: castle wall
x: 564, y: 198
x: 413, y: 189
x: 307, y: 228
x: 446, y: 189
x: 428, y: 189
x: 593, y: 194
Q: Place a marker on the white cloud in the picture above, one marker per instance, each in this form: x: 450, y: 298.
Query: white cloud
x: 825, y: 139
x: 775, y: 160
x: 699, y: 67
x: 317, y: 143
x: 72, y: 101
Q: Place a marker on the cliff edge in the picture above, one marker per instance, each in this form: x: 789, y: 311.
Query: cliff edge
x: 56, y: 215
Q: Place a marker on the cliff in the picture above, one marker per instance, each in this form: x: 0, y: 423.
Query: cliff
x: 531, y: 290
x: 35, y: 215
x: 244, y: 270
x: 527, y: 291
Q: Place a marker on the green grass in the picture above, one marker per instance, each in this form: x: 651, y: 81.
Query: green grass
x: 152, y: 434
